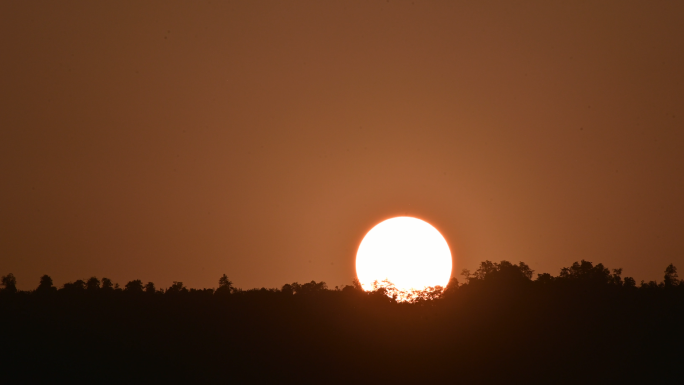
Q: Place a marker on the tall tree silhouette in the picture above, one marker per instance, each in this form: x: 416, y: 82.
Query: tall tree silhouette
x: 225, y: 285
x: 671, y: 278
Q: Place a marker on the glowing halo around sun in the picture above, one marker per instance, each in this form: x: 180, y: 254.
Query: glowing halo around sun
x: 408, y: 252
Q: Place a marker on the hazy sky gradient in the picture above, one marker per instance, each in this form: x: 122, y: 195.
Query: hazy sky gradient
x: 177, y: 141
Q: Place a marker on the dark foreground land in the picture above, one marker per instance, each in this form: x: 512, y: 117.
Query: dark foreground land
x: 586, y: 325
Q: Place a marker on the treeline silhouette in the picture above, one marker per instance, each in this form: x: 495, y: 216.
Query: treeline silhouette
x: 586, y: 325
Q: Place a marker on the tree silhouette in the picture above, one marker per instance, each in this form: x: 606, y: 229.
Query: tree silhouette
x: 544, y: 279
x: 107, y: 284
x: 585, y: 271
x: 225, y: 285
x: 135, y: 286
x: 616, y: 278
x: 78, y: 285
x: 149, y: 288
x: 386, y: 288
x: 9, y: 283
x: 485, y: 268
x: 599, y: 332
x: 93, y: 284
x: 308, y: 288
x: 287, y: 289
x: 357, y: 284
x: 466, y: 275
x: 501, y: 275
x: 45, y: 285
x: 452, y: 287
x: 176, y: 288
x: 629, y: 282
x: 671, y: 278
x: 428, y: 294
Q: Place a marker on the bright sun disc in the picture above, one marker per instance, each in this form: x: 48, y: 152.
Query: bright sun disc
x: 407, y: 251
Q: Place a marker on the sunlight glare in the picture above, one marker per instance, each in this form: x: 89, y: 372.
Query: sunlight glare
x: 407, y: 251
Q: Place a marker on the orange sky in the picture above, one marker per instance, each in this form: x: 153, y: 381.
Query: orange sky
x: 177, y: 141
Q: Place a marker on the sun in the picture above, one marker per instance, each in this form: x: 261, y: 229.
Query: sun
x: 407, y: 251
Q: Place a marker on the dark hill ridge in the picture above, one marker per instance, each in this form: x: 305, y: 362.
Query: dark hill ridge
x: 586, y: 325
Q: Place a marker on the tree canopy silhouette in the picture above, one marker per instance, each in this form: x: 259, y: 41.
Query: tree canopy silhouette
x: 45, y: 285
x: 587, y: 324
x: 9, y: 283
